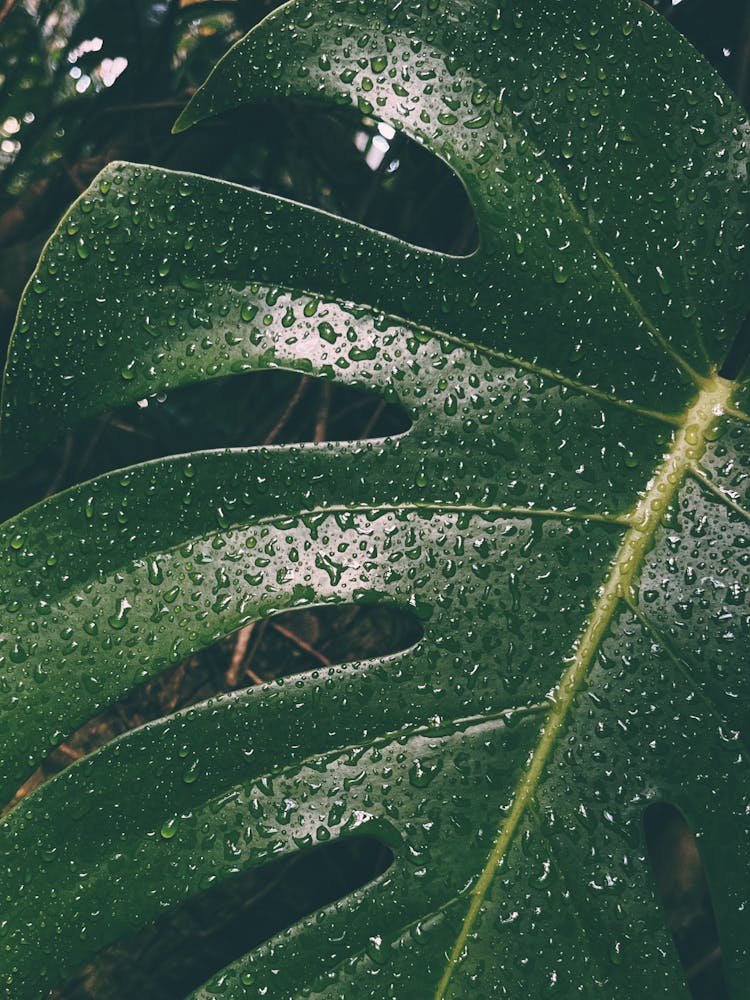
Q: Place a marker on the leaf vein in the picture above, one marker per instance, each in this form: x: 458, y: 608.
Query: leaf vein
x: 625, y: 567
x: 720, y: 495
x: 686, y: 668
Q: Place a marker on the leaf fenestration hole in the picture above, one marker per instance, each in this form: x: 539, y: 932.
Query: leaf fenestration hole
x: 171, y: 957
x: 292, y: 642
x: 685, y: 897
x: 254, y: 408
x: 738, y: 353
x: 263, y: 407
x: 386, y: 181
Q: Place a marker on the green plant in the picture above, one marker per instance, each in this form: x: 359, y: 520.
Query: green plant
x: 565, y: 517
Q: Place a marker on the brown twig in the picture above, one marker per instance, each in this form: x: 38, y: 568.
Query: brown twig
x: 300, y: 642
x: 703, y: 963
x: 120, y: 425
x: 176, y: 682
x: 8, y: 6
x: 238, y: 655
x: 341, y: 413
x: 373, y: 419
x: 321, y: 419
x: 241, y: 659
x: 291, y: 406
x: 197, y: 8
x: 72, y: 176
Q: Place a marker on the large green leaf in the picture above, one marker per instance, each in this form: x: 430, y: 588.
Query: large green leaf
x: 567, y: 516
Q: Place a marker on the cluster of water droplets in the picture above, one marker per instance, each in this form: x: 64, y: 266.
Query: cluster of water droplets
x: 544, y: 377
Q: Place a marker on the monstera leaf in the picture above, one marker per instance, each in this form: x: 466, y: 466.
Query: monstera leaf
x: 567, y: 517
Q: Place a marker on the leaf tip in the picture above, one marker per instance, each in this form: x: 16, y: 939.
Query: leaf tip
x: 197, y: 108
x: 183, y: 122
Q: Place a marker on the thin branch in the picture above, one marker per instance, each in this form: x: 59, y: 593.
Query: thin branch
x: 373, y: 420
x: 236, y: 668
x: 300, y: 642
x: 291, y: 406
x: 8, y: 6
x: 321, y: 420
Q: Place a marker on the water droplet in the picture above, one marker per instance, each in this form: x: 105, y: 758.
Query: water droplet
x: 169, y: 829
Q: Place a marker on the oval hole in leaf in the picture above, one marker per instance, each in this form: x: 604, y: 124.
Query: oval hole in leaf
x: 289, y: 643
x: 738, y: 353
x: 175, y: 955
x: 684, y: 894
x: 259, y: 408
x: 255, y: 408
x: 345, y: 163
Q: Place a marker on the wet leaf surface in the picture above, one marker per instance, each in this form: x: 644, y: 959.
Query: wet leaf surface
x: 566, y: 517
